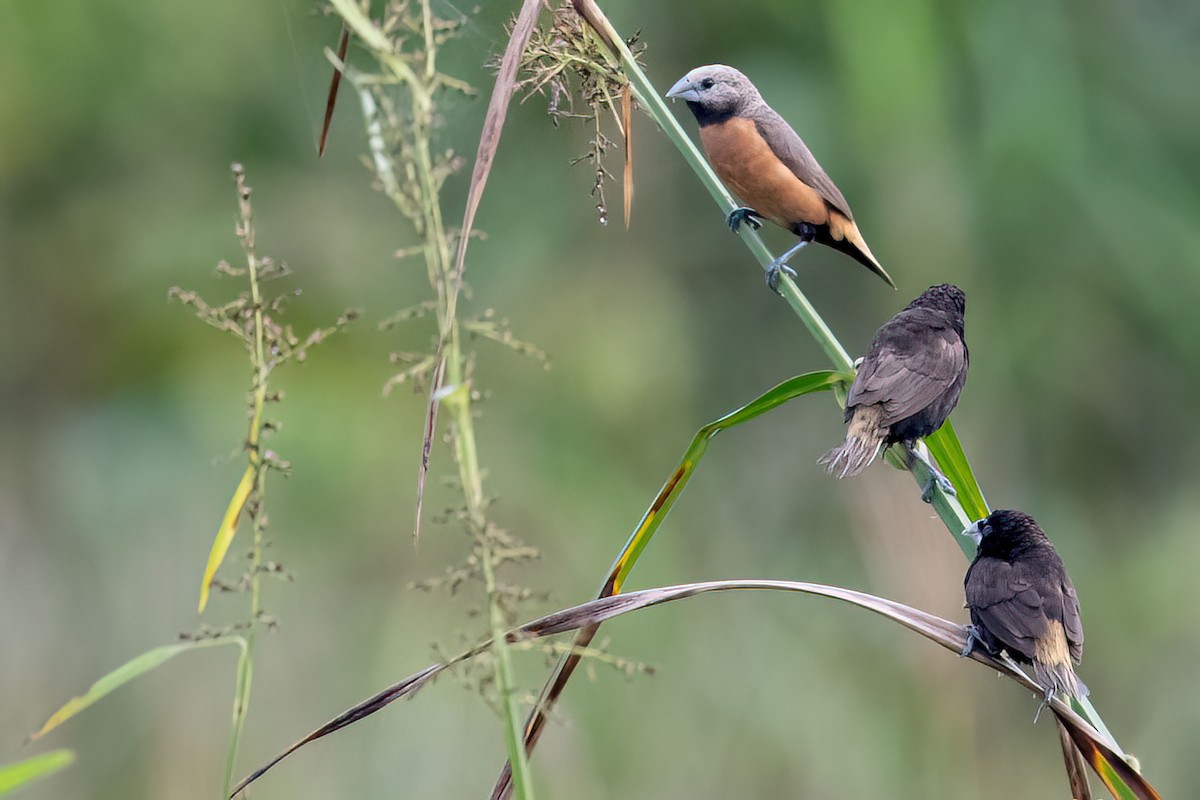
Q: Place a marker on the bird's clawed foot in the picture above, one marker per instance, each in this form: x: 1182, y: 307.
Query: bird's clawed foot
x: 779, y: 266
x: 744, y: 214
x: 973, y: 639
x: 915, y: 452
x: 940, y: 481
x: 774, y: 271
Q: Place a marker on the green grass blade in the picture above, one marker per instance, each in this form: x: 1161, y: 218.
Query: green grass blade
x: 649, y: 523
x: 124, y: 674
x: 14, y: 776
x: 241, y: 704
x: 224, y: 537
x: 945, y: 447
x: 788, y: 390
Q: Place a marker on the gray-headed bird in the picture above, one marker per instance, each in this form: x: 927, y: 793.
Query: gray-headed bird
x: 769, y: 168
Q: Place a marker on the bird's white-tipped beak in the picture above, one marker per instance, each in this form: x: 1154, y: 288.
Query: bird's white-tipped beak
x: 973, y: 533
x: 684, y: 90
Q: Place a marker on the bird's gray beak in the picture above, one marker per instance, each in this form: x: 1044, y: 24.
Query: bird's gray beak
x: 973, y: 533
x: 684, y: 90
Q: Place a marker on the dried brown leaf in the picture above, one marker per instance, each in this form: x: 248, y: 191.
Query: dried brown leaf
x: 485, y: 155
x: 948, y: 634
x: 334, y: 83
x: 627, y: 130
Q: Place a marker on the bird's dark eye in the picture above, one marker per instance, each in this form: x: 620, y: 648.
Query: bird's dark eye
x: 707, y: 83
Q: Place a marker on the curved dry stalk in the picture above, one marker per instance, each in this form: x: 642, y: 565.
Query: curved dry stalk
x: 951, y: 636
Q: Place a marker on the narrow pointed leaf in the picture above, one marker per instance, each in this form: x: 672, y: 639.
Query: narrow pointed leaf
x: 948, y: 634
x: 790, y: 389
x: 627, y: 132
x: 13, y: 776
x: 224, y: 538
x: 485, y: 155
x: 945, y: 447
x: 334, y: 84
x: 1121, y: 779
x: 493, y: 123
x: 428, y: 431
x: 124, y: 674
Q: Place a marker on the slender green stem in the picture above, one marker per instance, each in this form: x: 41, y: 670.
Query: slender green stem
x: 422, y: 84
x: 241, y: 700
x: 513, y: 730
x: 262, y: 370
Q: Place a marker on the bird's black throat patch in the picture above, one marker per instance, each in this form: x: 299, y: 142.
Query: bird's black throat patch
x: 706, y: 116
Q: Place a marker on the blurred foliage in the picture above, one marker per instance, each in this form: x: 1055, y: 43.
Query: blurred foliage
x: 1044, y: 156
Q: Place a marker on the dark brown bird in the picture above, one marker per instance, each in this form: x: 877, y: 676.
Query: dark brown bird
x: 1022, y: 601
x: 768, y: 167
x: 907, y: 384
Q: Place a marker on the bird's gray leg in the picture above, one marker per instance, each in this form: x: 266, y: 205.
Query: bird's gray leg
x: 914, y: 452
x: 973, y: 638
x: 779, y: 265
x: 735, y: 218
x: 1046, y: 698
x: 807, y: 233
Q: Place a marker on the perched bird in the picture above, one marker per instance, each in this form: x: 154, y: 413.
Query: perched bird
x: 1022, y: 601
x: 907, y: 384
x: 768, y: 167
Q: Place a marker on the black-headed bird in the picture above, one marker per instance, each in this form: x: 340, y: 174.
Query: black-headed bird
x: 1023, y: 602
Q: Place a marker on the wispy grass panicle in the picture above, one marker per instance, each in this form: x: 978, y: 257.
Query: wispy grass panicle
x: 255, y: 320
x: 580, y: 80
x: 401, y: 104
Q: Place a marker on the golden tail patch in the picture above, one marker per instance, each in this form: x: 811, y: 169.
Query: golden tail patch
x: 864, y: 438
x: 1052, y: 663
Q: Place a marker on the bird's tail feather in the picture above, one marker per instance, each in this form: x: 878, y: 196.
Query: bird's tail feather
x: 863, y: 442
x: 1061, y: 678
x: 846, y: 238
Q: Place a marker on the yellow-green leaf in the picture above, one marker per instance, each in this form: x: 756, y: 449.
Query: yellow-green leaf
x: 124, y: 674
x: 790, y: 389
x: 225, y: 533
x: 15, y: 775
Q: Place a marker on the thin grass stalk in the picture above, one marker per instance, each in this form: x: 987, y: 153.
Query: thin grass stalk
x: 455, y: 385
x: 947, y: 506
x: 241, y: 702
x: 262, y: 369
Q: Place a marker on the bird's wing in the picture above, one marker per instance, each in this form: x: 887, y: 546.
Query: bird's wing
x: 792, y: 151
x: 1005, y: 601
x: 913, y: 358
x: 1071, y: 621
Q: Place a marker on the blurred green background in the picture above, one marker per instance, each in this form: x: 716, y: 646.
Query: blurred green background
x: 1042, y: 155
